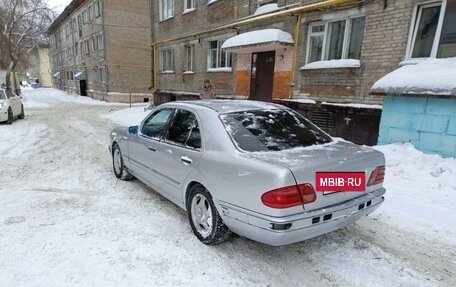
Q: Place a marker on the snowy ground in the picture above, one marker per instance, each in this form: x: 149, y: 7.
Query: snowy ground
x: 66, y: 221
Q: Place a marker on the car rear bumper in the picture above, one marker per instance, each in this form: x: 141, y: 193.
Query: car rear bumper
x: 279, y: 231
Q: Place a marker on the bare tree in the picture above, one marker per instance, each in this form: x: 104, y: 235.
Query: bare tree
x: 23, y: 24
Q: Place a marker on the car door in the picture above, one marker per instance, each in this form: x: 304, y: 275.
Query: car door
x: 179, y: 152
x: 141, y: 148
x: 15, y: 102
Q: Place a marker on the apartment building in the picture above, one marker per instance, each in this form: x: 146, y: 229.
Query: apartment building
x: 101, y: 49
x: 39, y: 68
x: 320, y: 57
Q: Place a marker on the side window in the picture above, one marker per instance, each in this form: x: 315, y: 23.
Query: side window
x: 9, y: 94
x: 184, y: 130
x: 2, y: 95
x: 154, y: 126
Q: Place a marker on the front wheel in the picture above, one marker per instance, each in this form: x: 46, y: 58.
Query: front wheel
x: 206, y: 223
x: 118, y: 164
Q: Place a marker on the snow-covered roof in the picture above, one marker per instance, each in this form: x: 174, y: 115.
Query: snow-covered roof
x: 428, y: 77
x: 252, y: 39
x: 332, y: 64
x: 266, y: 9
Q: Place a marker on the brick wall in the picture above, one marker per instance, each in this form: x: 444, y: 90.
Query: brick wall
x: 428, y: 123
x: 384, y: 46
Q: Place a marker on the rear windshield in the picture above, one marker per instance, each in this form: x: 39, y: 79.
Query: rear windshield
x: 272, y: 130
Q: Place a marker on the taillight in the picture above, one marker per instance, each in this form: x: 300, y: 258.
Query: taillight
x: 307, y: 192
x: 377, y: 176
x: 289, y: 196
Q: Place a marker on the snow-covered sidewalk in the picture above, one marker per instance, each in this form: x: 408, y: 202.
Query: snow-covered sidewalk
x: 65, y: 220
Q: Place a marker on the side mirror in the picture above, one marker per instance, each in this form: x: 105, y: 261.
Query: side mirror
x: 133, y: 130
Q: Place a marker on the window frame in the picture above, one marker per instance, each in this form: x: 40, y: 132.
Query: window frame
x: 163, y: 57
x: 97, y: 6
x: 417, y: 10
x: 189, y: 48
x: 100, y: 42
x: 189, y: 9
x: 218, y: 56
x: 326, y: 36
x: 166, y: 12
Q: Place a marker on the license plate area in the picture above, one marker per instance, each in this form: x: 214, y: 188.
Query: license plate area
x: 333, y: 182
x: 330, y: 192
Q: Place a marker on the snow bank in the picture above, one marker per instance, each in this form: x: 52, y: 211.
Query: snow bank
x: 127, y: 117
x: 433, y: 76
x: 332, y: 64
x: 258, y: 37
x: 45, y: 97
x: 421, y: 191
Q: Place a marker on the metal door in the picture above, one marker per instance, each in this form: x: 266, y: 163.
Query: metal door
x: 262, y: 76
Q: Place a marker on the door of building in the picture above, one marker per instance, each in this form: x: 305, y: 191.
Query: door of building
x: 83, y: 87
x: 262, y: 76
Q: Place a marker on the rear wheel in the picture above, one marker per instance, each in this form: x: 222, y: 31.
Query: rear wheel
x: 10, y: 116
x: 206, y: 223
x: 22, y: 115
x: 118, y: 164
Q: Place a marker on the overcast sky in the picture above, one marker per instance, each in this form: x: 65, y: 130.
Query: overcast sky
x: 58, y: 5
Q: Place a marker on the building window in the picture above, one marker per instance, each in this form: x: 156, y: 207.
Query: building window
x: 218, y: 59
x: 167, y: 61
x: 166, y: 9
x: 336, y: 40
x: 102, y: 75
x: 189, y: 5
x: 100, y: 44
x: 80, y: 25
x: 426, y: 29
x: 86, y: 47
x: 97, y: 8
x: 85, y: 18
x: 189, y: 57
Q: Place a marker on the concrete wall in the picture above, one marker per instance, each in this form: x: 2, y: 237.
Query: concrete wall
x: 45, y: 68
x: 428, y: 123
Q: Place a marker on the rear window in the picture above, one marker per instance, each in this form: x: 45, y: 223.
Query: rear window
x: 272, y: 130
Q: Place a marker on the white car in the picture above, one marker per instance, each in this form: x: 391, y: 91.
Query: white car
x: 11, y: 106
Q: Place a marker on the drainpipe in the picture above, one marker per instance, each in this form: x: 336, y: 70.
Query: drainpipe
x: 235, y: 9
x: 295, y: 54
x: 154, y: 72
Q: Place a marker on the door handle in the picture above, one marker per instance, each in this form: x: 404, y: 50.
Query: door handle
x: 186, y: 160
x: 151, y: 148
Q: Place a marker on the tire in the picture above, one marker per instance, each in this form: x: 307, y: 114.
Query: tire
x: 22, y: 115
x: 118, y: 164
x: 10, y: 116
x: 206, y: 223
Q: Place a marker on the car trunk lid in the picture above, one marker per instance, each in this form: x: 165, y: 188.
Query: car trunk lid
x: 336, y: 156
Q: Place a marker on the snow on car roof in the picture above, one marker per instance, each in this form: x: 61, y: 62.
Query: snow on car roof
x: 230, y: 106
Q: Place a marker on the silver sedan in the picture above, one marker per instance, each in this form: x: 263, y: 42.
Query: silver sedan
x: 257, y: 169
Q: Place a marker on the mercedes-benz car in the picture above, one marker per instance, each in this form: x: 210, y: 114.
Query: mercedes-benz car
x: 11, y: 106
x: 257, y: 169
